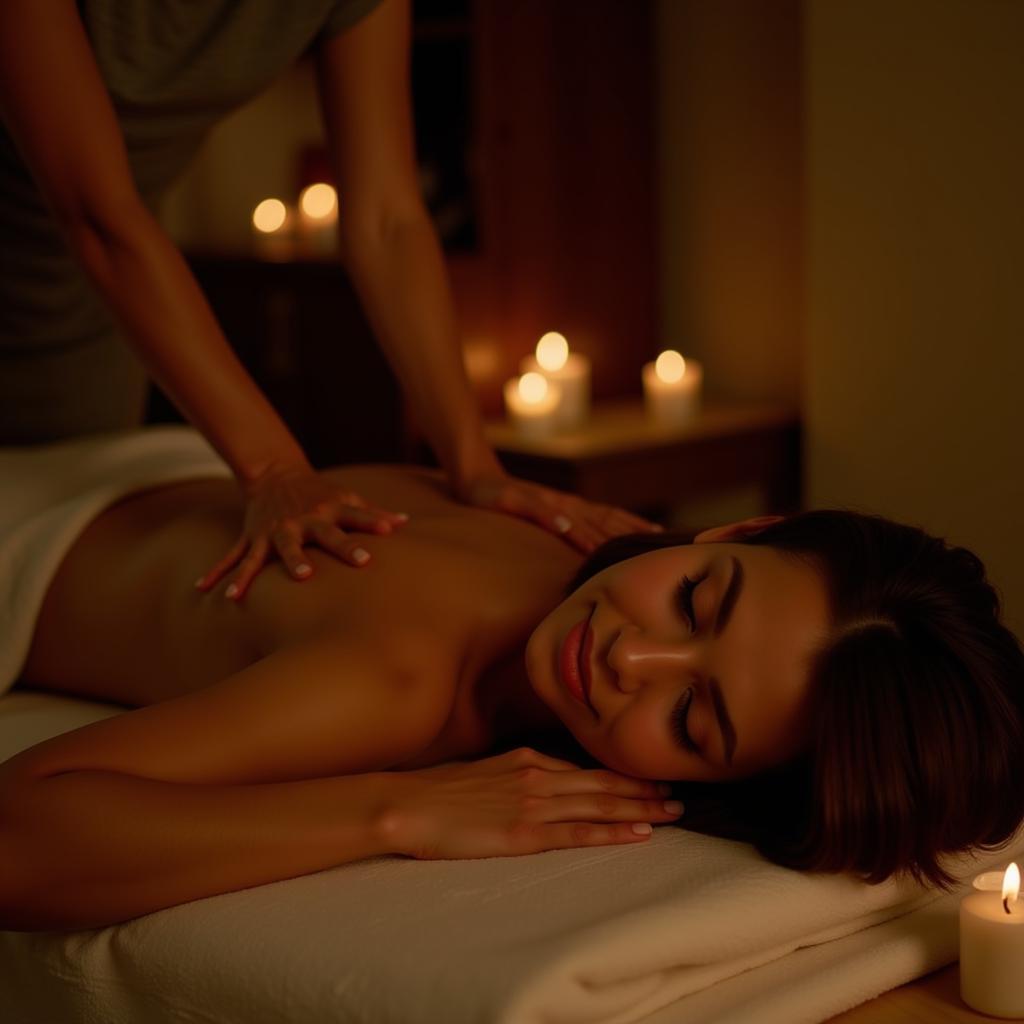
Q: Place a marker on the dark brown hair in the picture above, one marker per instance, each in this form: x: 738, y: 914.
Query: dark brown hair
x: 917, y: 709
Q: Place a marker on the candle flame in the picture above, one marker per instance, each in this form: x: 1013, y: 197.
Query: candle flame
x: 1011, y: 882
x: 269, y: 216
x: 670, y: 366
x: 318, y: 201
x: 552, y: 351
x: 533, y: 387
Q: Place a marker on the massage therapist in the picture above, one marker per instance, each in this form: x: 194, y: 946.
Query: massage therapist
x: 104, y: 102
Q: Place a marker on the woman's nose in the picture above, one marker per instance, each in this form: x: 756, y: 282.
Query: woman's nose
x: 636, y: 657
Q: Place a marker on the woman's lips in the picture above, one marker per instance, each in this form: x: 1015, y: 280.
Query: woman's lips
x: 574, y: 660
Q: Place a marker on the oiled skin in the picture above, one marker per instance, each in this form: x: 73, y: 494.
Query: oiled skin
x: 123, y: 622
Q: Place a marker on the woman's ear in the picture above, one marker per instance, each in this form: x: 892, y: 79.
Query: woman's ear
x: 730, y: 531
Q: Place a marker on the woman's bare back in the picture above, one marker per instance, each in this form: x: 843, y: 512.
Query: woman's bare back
x: 122, y: 620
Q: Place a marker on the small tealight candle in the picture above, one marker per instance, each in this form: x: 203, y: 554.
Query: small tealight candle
x: 318, y: 216
x: 569, y: 370
x: 672, y: 388
x: 992, y: 946
x: 531, y: 402
x: 272, y: 225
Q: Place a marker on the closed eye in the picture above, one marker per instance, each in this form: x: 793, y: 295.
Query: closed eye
x: 684, y: 595
x: 679, y: 716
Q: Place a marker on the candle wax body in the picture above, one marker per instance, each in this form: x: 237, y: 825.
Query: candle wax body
x: 675, y: 403
x: 318, y: 234
x: 992, y: 955
x: 574, y: 380
x: 532, y: 419
x: 277, y: 245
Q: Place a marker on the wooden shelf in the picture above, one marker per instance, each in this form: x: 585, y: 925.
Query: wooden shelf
x: 622, y: 457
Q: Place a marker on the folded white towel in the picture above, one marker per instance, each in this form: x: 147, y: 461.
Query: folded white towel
x: 50, y: 493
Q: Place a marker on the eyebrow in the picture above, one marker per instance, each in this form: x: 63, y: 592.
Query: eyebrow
x: 724, y: 721
x: 732, y: 591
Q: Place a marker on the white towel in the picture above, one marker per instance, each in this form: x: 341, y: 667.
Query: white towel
x: 50, y: 493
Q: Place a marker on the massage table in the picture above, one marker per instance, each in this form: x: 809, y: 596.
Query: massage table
x: 685, y: 928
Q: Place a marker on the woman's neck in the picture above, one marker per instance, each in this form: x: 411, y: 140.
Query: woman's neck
x: 517, y: 717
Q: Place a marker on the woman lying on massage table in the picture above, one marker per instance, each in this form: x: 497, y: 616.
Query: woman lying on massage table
x: 851, y: 670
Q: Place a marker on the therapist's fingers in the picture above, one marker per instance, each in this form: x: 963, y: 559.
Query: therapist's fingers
x: 223, y: 567
x: 251, y: 565
x: 339, y: 544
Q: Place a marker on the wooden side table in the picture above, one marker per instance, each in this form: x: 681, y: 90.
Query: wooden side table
x: 622, y: 458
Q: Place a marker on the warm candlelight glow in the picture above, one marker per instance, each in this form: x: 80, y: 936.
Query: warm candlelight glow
x: 532, y: 388
x: 552, y: 351
x: 318, y: 201
x: 1011, y: 882
x: 269, y: 216
x: 670, y: 366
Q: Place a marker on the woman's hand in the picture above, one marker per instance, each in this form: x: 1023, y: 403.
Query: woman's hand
x: 584, y: 524
x: 288, y: 509
x: 516, y: 803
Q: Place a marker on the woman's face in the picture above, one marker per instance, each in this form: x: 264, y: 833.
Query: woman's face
x: 721, y: 696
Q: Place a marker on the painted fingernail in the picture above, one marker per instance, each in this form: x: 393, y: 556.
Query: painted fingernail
x: 673, y: 807
x: 303, y: 569
x: 641, y: 828
x: 360, y: 556
x: 563, y: 524
x: 232, y: 590
x: 664, y: 789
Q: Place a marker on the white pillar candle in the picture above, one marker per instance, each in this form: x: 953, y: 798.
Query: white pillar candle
x: 318, y: 217
x: 273, y: 224
x: 672, y: 387
x: 992, y: 947
x: 531, y: 402
x: 569, y: 370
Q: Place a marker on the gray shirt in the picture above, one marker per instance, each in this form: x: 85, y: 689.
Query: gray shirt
x: 173, y: 68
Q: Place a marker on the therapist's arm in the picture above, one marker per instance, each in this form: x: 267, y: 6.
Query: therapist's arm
x: 393, y: 256
x: 66, y: 131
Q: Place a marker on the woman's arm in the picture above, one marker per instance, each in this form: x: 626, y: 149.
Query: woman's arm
x: 230, y: 786
x: 87, y: 848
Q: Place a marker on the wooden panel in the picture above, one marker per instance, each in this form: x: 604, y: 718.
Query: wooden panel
x: 565, y: 111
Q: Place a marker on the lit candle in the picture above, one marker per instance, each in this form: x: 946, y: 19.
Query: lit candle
x: 992, y: 946
x: 569, y: 370
x: 272, y: 225
x: 531, y: 402
x: 318, y: 216
x: 672, y: 388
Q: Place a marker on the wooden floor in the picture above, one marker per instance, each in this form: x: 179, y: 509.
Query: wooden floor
x: 934, y: 999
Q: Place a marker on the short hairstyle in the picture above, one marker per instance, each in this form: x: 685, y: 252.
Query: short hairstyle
x: 916, y: 708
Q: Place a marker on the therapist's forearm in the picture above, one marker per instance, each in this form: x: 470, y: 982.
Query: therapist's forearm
x: 402, y: 281
x: 148, y: 285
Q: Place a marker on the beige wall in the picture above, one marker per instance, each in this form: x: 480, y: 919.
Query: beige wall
x: 915, y: 254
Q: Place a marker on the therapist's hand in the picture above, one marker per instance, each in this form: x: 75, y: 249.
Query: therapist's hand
x: 584, y: 524
x: 288, y: 509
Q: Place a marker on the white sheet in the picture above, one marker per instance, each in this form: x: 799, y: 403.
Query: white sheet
x: 684, y: 928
